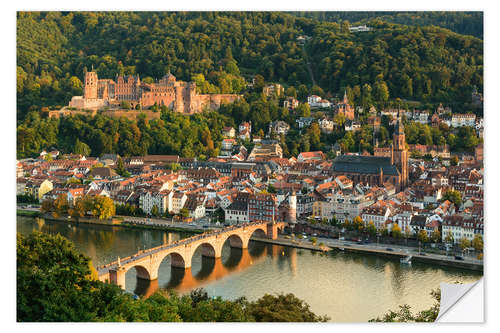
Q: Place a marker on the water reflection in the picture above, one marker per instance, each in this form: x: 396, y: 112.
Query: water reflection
x: 345, y: 286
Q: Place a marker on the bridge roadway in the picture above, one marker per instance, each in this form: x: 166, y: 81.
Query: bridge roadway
x: 147, y: 262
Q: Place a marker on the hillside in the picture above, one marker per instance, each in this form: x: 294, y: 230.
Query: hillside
x: 427, y: 64
x: 465, y: 23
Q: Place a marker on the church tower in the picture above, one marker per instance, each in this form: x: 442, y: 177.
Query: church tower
x: 400, y: 153
x: 292, y: 212
x: 90, y: 85
x: 345, y: 100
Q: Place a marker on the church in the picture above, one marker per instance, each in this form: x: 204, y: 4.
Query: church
x: 377, y: 170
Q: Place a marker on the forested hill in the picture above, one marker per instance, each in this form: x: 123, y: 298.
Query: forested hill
x: 465, y: 23
x: 222, y: 50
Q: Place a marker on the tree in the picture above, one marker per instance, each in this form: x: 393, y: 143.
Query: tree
x: 155, y: 211
x: 453, y: 196
x: 464, y: 243
x: 372, y: 230
x: 436, y: 236
x: 396, y: 231
x: 125, y: 105
x: 79, y: 208
x: 282, y: 308
x: 422, y: 236
x: 120, y: 168
x: 454, y: 160
x: 358, y: 223
x: 303, y: 110
x: 449, y: 238
x: 404, y: 313
x: 314, y: 240
x: 184, y: 212
x: 477, y: 242
x: 347, y: 224
x: 173, y: 166
x: 60, y: 205
x: 101, y: 206
x: 54, y: 281
x: 47, y: 206
x: 81, y: 148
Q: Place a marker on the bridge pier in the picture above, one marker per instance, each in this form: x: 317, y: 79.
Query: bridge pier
x: 117, y: 276
x: 272, y: 231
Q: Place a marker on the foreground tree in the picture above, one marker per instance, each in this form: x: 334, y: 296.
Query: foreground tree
x: 404, y: 314
x: 283, y: 308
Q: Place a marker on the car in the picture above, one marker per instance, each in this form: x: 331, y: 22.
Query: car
x: 360, y: 242
x: 389, y: 249
x: 342, y: 238
x: 205, y: 226
x: 314, y: 235
x: 459, y: 258
x: 347, y: 244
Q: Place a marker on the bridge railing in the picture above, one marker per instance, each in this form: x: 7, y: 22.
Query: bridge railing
x: 185, y: 241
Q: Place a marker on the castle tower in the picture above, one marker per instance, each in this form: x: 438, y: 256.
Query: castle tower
x: 400, y: 153
x: 90, y: 85
x: 292, y: 210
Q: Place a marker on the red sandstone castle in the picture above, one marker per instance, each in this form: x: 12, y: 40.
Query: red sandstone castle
x: 176, y: 95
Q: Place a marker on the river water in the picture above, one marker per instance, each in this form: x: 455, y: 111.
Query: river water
x: 345, y: 286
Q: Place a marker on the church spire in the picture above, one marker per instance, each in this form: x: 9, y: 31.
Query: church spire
x: 400, y: 129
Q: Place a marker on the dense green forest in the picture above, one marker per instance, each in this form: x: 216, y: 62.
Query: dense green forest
x: 200, y: 135
x: 225, y: 49
x: 235, y: 52
x: 465, y: 23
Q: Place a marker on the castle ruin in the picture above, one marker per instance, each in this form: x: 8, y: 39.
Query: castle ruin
x: 176, y: 95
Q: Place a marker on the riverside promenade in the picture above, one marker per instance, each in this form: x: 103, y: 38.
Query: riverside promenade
x: 379, y: 249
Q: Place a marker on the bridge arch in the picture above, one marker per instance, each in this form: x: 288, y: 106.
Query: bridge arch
x: 236, y: 240
x: 176, y: 260
x: 208, y: 249
x: 259, y: 232
x: 141, y: 272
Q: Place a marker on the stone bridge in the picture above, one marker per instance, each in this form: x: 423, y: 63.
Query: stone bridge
x: 147, y: 262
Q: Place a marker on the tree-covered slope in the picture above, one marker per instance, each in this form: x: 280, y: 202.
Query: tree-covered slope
x: 465, y: 23
x: 417, y: 63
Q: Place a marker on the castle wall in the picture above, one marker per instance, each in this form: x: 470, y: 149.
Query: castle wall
x: 176, y: 95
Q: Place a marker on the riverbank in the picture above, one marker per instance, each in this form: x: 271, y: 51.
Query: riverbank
x: 115, y: 222
x: 27, y: 213
x: 161, y: 227
x: 291, y: 243
x: 441, y: 260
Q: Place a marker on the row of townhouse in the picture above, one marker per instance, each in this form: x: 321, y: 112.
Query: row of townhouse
x: 172, y: 202
x: 462, y: 226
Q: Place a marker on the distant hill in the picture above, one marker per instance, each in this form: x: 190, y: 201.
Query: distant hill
x: 412, y: 62
x: 465, y: 23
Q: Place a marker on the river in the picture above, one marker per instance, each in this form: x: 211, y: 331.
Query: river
x: 345, y: 286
